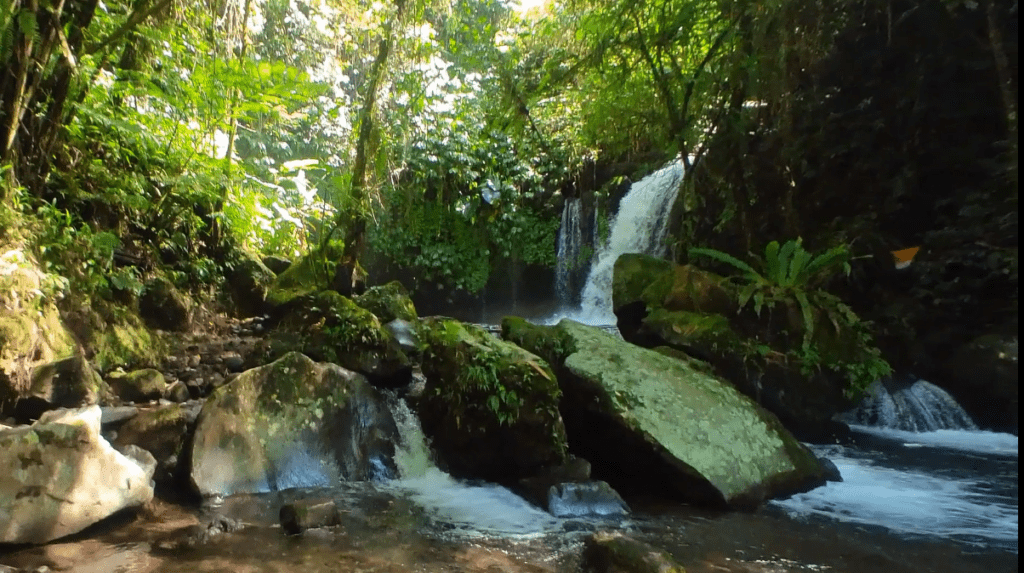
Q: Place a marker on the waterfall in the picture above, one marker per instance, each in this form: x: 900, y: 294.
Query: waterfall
x: 570, y: 242
x: 639, y: 227
x: 462, y: 508
x: 918, y: 407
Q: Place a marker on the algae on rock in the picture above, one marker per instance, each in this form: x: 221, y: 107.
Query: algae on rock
x: 624, y: 404
x: 490, y: 407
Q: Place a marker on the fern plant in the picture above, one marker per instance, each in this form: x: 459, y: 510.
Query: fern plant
x: 790, y: 273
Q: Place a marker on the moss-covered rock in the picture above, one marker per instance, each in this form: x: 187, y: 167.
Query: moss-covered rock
x: 68, y: 383
x: 388, y: 302
x: 291, y: 423
x: 332, y: 328
x: 762, y: 353
x: 633, y: 274
x: 700, y: 335
x: 31, y: 330
x: 139, y: 385
x: 489, y: 407
x: 308, y: 275
x: 163, y: 307
x: 124, y: 343
x: 682, y: 428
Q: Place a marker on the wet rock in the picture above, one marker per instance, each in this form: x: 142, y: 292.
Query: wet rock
x: 490, y: 407
x: 329, y: 327
x: 163, y: 432
x: 60, y: 477
x: 831, y: 472
x: 578, y: 499
x: 138, y: 386
x: 291, y: 423
x: 200, y: 534
x: 388, y: 302
x: 177, y: 392
x: 677, y: 428
x: 299, y: 516
x: 116, y: 414
x: 68, y: 383
x: 276, y: 264
x: 233, y: 361
x: 535, y: 488
x: 163, y: 307
x: 606, y: 552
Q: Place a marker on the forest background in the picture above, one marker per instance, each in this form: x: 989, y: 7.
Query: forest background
x: 170, y: 137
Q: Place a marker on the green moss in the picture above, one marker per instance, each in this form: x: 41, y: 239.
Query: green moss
x: 488, y: 382
x: 306, y: 276
x: 388, y: 302
x: 634, y: 273
x: 547, y: 342
x: 127, y: 344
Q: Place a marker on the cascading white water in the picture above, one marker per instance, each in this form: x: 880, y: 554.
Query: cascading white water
x: 466, y: 510
x: 639, y: 227
x: 919, y: 407
x: 570, y: 244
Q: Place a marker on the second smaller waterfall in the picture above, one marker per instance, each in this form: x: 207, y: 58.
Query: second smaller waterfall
x: 918, y: 407
x: 570, y: 247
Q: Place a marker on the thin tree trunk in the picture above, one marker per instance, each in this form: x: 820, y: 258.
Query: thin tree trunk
x: 355, y: 237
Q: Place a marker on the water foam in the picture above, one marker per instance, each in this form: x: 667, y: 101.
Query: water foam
x: 463, y: 509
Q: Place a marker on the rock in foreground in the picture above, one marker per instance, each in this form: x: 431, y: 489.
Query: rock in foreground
x: 58, y: 477
x: 651, y: 419
x: 291, y: 423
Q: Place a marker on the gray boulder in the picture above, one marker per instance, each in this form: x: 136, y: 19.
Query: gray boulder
x: 655, y: 420
x: 291, y: 423
x: 58, y: 477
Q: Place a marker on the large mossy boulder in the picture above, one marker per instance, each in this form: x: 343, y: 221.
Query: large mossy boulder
x: 649, y: 421
x: 31, y: 331
x: 761, y: 353
x: 163, y: 307
x: 388, y: 302
x: 59, y: 476
x: 310, y: 274
x: 329, y: 327
x: 489, y: 407
x: 292, y: 423
x: 139, y: 385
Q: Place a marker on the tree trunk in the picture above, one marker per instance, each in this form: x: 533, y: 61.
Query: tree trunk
x: 355, y: 236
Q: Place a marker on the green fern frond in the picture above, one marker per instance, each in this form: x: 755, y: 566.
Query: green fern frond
x: 725, y: 258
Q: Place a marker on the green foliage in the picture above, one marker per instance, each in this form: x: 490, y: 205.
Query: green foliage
x: 792, y: 278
